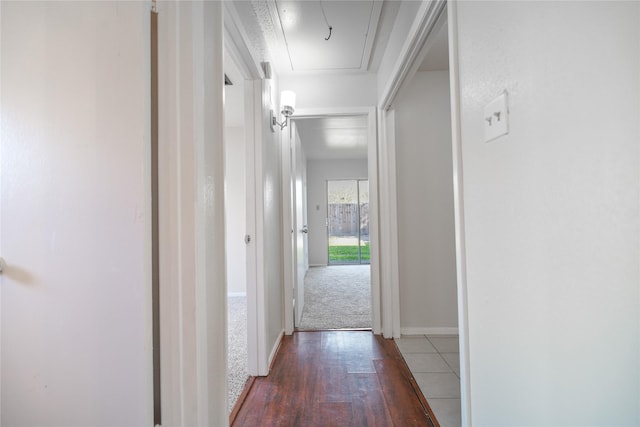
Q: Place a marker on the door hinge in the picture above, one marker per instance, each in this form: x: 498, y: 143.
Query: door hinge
x: 247, y: 239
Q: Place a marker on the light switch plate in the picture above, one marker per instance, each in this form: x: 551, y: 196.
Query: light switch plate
x: 496, y: 118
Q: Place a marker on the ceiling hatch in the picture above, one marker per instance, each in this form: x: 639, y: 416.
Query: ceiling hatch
x: 311, y: 46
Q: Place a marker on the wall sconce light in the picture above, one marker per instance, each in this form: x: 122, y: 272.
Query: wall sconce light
x: 288, y: 102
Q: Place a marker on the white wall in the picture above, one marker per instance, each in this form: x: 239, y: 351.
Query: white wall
x: 235, y: 210
x: 75, y: 143
x: 332, y: 91
x: 272, y: 223
x: 426, y: 245
x: 318, y: 172
x: 552, y: 212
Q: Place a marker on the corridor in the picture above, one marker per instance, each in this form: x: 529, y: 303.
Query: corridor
x: 335, y: 378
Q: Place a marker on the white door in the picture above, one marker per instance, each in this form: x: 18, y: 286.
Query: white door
x: 301, y: 229
x: 75, y: 320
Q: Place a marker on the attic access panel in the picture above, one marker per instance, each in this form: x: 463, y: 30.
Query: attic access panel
x: 304, y: 28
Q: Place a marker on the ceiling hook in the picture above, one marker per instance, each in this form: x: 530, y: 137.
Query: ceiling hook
x: 326, y: 21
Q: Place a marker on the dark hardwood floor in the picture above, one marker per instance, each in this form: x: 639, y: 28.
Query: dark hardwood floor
x: 335, y: 378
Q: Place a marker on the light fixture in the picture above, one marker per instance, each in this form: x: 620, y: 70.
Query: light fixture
x: 288, y: 102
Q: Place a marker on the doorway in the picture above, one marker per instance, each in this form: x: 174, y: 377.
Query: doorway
x: 338, y: 163
x: 235, y: 229
x: 419, y: 134
x: 348, y: 222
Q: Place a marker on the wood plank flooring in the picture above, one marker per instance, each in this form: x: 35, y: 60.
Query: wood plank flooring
x: 335, y: 378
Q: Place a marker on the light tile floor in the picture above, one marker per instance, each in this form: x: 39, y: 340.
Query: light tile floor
x: 434, y: 362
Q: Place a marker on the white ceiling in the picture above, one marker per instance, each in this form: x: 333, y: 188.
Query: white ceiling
x: 360, y: 31
x: 336, y: 137
x: 294, y: 33
x: 305, y: 29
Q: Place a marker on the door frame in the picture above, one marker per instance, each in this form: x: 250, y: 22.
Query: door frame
x: 1, y: 251
x: 428, y: 18
x: 191, y: 214
x: 192, y: 37
x: 253, y: 74
x: 372, y: 161
x: 458, y: 212
x: 296, y: 153
x: 289, y: 272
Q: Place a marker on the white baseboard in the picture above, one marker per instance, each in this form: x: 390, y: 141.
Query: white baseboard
x: 236, y: 294
x: 429, y: 331
x: 274, y: 350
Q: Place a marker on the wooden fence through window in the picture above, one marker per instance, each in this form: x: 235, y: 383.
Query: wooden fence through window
x: 343, y: 220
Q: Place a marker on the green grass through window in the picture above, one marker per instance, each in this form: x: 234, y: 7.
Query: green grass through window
x: 348, y: 253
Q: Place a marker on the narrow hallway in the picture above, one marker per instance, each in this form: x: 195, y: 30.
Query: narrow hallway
x: 335, y: 378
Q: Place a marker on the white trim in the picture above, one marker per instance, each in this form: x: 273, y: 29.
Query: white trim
x: 429, y: 331
x: 236, y: 294
x: 240, y: 53
x: 261, y: 97
x: 374, y: 18
x: 389, y: 228
x: 374, y: 225
x: 408, y: 59
x: 427, y: 20
x: 374, y: 222
x: 192, y: 249
x: 393, y: 230
x: 236, y: 34
x: 1, y: 277
x: 253, y: 249
x: 257, y: 101
x: 458, y: 197
x: 210, y: 262
x: 276, y: 346
x: 296, y: 168
x: 288, y: 247
x: 307, y: 113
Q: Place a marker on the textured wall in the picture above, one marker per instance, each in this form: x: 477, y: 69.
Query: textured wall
x: 552, y: 212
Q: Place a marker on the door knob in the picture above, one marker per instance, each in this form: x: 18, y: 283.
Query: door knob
x: 2, y: 264
x: 305, y: 229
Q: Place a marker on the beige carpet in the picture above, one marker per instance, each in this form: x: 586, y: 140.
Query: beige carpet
x: 237, y: 352
x: 337, y: 297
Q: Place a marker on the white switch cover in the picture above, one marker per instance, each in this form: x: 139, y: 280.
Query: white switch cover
x: 496, y: 118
